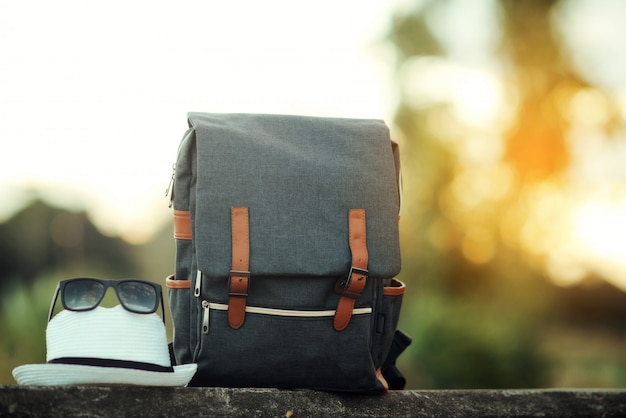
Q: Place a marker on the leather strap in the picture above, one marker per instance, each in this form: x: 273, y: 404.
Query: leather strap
x: 382, y: 380
x: 352, y: 287
x: 172, y: 283
x: 239, y: 274
x: 182, y: 225
x: 395, y: 288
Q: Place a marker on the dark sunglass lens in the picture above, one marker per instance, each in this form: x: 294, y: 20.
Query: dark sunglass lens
x: 137, y: 296
x: 82, y: 295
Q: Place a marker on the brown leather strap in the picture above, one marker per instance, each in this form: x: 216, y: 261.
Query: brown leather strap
x: 382, y: 380
x: 352, y: 287
x: 395, y: 288
x: 172, y: 283
x: 182, y: 224
x: 239, y: 274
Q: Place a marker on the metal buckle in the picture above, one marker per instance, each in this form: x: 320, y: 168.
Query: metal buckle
x: 344, y: 285
x: 240, y: 274
x: 357, y: 270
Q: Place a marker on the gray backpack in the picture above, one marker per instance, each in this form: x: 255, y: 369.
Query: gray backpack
x: 287, y: 249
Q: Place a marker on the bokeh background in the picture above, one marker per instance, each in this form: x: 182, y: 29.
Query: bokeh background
x: 510, y: 114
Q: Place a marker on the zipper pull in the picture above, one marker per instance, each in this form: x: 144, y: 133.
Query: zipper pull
x: 196, y: 291
x: 170, y: 184
x: 205, y: 317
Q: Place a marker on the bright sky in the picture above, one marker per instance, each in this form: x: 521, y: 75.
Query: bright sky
x: 94, y: 95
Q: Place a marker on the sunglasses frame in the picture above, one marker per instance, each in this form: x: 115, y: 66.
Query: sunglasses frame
x: 106, y: 283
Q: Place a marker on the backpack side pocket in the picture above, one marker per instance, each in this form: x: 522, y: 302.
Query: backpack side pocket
x: 387, y: 319
x: 179, y: 296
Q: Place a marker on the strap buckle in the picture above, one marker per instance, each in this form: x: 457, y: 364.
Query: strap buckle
x: 238, y: 288
x: 343, y: 286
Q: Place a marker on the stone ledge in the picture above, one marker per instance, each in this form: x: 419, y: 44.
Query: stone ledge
x: 126, y: 401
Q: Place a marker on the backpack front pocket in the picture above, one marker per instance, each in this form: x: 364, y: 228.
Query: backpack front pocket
x: 276, y: 347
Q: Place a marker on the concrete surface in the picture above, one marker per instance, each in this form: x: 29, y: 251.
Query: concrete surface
x: 133, y: 401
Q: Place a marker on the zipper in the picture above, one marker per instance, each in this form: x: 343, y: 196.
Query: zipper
x: 196, y: 291
x: 204, y: 309
x: 289, y: 312
x: 207, y: 306
x: 205, y: 317
x: 170, y: 186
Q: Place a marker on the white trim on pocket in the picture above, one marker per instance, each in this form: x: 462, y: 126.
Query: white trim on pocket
x: 289, y: 312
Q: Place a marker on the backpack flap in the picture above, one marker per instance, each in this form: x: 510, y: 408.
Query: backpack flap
x: 299, y: 177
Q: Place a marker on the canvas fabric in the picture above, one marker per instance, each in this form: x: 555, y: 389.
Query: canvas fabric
x: 298, y: 178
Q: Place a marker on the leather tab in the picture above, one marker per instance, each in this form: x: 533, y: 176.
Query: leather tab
x: 382, y: 380
x: 239, y: 275
x: 182, y: 225
x: 172, y: 283
x: 352, y: 287
x: 395, y: 288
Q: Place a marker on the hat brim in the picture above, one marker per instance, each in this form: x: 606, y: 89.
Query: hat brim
x: 71, y: 374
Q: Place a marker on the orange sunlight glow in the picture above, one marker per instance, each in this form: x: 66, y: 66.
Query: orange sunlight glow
x: 575, y: 232
x: 599, y: 227
x: 478, y: 98
x: 574, y: 226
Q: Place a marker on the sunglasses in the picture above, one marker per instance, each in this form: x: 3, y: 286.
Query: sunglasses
x: 85, y: 294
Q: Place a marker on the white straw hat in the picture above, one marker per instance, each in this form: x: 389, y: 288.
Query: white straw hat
x: 106, y: 346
